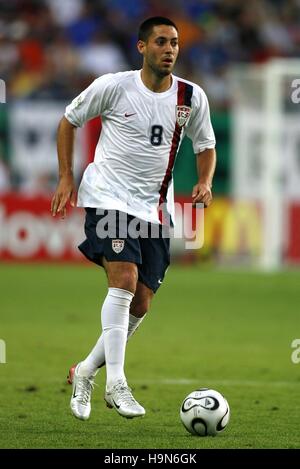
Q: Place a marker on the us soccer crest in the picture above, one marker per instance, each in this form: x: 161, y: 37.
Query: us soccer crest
x: 183, y: 114
x: 117, y: 245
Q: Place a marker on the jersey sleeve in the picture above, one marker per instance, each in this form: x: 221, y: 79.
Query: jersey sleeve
x: 200, y: 129
x: 92, y: 102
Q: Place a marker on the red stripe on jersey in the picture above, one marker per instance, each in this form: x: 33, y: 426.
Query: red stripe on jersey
x: 174, y: 147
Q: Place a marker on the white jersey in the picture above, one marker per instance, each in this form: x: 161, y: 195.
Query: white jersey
x: 141, y: 134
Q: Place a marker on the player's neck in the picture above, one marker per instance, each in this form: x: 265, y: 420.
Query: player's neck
x: 155, y: 83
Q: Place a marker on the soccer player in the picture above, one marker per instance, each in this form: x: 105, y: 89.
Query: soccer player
x: 145, y: 115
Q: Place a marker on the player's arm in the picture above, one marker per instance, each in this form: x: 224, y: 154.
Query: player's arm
x: 93, y: 101
x: 206, y: 165
x: 66, y: 187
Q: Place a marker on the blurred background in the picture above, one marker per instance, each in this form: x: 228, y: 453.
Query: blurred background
x: 244, y: 55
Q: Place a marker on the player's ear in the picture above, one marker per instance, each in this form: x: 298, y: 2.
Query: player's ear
x: 141, y: 46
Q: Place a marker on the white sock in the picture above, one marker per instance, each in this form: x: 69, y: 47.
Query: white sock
x: 96, y: 359
x: 115, y: 319
x: 133, y: 325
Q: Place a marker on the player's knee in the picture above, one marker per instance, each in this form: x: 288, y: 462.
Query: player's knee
x: 127, y: 284
x: 121, y: 275
x: 140, y: 308
x: 126, y: 280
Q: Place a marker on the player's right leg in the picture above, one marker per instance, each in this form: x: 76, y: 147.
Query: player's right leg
x: 118, y: 393
x: 122, y: 281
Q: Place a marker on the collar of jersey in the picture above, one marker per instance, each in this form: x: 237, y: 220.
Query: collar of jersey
x: 146, y: 90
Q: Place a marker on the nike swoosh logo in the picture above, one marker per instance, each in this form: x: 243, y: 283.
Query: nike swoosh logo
x: 160, y: 281
x: 128, y: 115
x: 117, y: 406
x: 74, y: 393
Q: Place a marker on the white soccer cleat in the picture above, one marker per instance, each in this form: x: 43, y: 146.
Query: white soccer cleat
x: 120, y: 398
x: 81, y: 395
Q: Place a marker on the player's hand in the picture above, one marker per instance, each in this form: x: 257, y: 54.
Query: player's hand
x: 65, y: 192
x: 202, y: 194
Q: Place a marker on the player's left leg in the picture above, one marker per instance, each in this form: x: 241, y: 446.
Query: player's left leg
x: 155, y: 259
x: 140, y: 304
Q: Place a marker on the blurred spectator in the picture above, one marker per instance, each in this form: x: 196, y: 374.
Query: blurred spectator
x: 82, y: 30
x: 65, y: 12
x: 51, y: 47
x: 4, y: 176
x: 9, y: 56
x: 101, y: 56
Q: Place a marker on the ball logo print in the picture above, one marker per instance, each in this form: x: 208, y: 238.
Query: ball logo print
x: 205, y: 412
x: 209, y: 403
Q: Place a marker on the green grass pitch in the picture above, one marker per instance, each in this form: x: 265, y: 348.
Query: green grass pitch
x: 228, y: 330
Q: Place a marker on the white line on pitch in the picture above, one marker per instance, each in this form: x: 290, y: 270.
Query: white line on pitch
x: 210, y: 382
x: 204, y: 383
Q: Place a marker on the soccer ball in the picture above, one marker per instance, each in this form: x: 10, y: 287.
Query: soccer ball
x: 205, y: 412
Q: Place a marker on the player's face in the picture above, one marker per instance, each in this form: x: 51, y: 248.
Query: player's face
x: 161, y: 50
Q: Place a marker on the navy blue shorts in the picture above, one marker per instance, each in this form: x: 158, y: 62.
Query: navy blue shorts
x: 150, y: 252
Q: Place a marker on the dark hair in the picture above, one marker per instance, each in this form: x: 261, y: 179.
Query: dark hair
x: 146, y: 27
